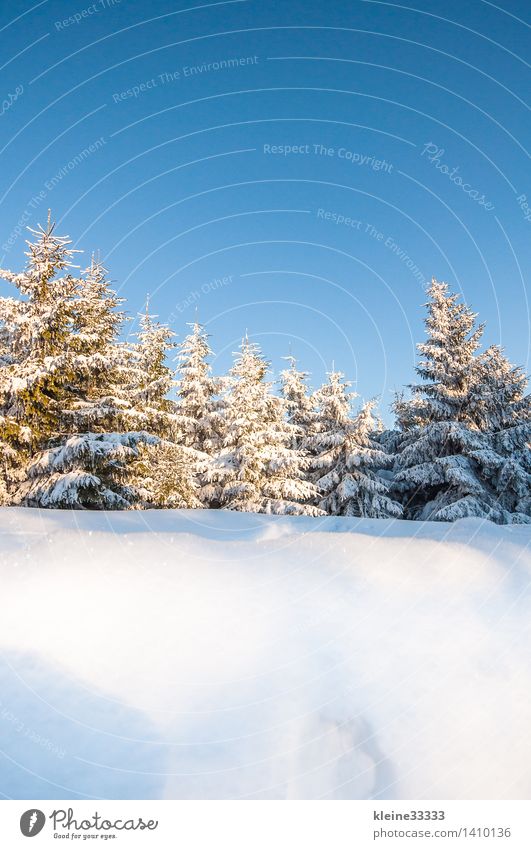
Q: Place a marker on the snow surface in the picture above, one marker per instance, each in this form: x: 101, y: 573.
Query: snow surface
x: 208, y: 654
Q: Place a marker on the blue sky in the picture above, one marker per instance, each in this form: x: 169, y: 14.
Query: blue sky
x: 298, y: 170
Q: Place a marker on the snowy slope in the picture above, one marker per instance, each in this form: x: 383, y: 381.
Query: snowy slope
x: 210, y: 654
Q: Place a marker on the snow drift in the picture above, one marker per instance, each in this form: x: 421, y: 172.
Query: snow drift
x: 206, y: 654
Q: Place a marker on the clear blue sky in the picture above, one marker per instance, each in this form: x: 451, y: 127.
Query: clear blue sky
x: 179, y: 184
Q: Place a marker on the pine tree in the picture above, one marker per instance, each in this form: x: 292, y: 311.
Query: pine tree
x: 257, y: 470
x: 166, y: 473
x: 102, y: 364
x: 35, y: 371
x: 87, y: 471
x: 448, y: 365
x: 198, y: 392
x: 503, y: 410
x: 97, y: 314
x: 300, y: 409
x: 442, y: 467
x: 329, y: 441
x: 35, y: 331
x: 348, y: 464
x: 151, y: 377
x: 200, y: 408
x: 62, y: 386
x: 88, y: 462
x: 499, y: 399
x: 15, y: 437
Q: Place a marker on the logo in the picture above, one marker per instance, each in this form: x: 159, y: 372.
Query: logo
x: 32, y: 822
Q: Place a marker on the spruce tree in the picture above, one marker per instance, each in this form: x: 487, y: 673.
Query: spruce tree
x: 87, y: 471
x: 36, y: 369
x: 200, y: 406
x: 300, y: 408
x: 500, y: 399
x: 257, y: 470
x: 97, y: 314
x: 64, y: 385
x: 348, y: 461
x: 166, y: 472
x: 85, y: 448
x: 503, y: 410
x: 440, y: 471
x: 152, y: 379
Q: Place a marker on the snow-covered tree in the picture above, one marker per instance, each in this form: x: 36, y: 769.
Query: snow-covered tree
x: 199, y: 404
x: 35, y: 369
x: 62, y: 384
x: 150, y: 379
x: 166, y: 473
x: 97, y: 315
x: 15, y: 441
x: 87, y: 471
x: 348, y: 462
x: 499, y: 400
x: 300, y: 408
x: 94, y: 466
x: 200, y: 408
x: 36, y: 327
x: 445, y: 467
x: 503, y: 410
x: 439, y: 474
x: 257, y: 470
x: 448, y: 366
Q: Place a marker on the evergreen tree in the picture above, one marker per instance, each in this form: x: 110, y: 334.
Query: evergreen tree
x: 166, y: 473
x: 442, y: 469
x: 35, y: 330
x: 349, y: 462
x: 500, y: 399
x: 62, y: 384
x: 97, y: 315
x: 102, y: 365
x: 198, y: 392
x: 35, y: 371
x: 152, y: 379
x: 300, y: 409
x: 448, y: 366
x: 257, y: 470
x: 87, y: 471
x: 503, y: 410
x: 200, y: 408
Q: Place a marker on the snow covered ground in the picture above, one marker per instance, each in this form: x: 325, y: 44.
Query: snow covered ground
x: 217, y: 655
